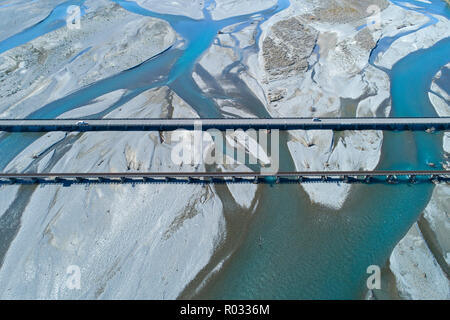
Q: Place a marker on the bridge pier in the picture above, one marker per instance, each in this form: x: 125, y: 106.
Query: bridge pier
x: 208, y: 179
x: 392, y: 179
x: 67, y: 183
x: 435, y: 179
x: 58, y: 180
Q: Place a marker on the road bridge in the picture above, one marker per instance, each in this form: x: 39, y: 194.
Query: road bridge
x: 367, y: 177
x: 337, y: 124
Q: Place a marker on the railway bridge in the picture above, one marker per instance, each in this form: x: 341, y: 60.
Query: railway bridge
x: 350, y: 177
x: 338, y: 124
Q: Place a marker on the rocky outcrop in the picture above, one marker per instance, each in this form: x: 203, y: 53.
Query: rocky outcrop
x: 287, y: 47
x: 344, y: 11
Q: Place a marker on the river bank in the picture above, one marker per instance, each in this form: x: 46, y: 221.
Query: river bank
x: 420, y: 262
x: 386, y: 216
x: 224, y: 241
x: 105, y: 224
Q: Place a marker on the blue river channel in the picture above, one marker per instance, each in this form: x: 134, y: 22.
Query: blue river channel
x: 308, y: 251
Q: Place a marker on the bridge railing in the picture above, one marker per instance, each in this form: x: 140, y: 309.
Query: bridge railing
x: 350, y: 177
x: 337, y: 124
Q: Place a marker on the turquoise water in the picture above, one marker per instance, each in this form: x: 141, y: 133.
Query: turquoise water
x: 172, y: 68
x: 55, y: 20
x: 308, y: 251
x: 411, y: 80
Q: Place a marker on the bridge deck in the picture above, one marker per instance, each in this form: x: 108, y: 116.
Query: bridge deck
x: 226, y: 177
x: 12, y: 125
